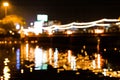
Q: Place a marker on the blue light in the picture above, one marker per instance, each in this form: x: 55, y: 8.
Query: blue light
x: 18, y: 59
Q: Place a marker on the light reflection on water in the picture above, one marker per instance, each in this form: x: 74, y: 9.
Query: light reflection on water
x: 6, y: 70
x: 66, y: 60
x: 36, y: 57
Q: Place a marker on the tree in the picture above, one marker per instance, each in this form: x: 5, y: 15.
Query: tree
x: 10, y: 21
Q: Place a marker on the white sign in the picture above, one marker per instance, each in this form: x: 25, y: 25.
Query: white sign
x: 42, y: 17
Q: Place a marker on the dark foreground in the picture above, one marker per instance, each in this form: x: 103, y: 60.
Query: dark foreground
x: 52, y: 74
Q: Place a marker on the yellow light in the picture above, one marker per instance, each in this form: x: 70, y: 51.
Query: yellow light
x: 6, y: 73
x: 31, y: 69
x: 27, y: 51
x: 69, y: 32
x: 5, y: 4
x: 94, y: 64
x: 69, y: 55
x: 99, y: 31
x: 50, y: 32
x: 22, y: 71
x: 104, y: 49
x: 50, y: 55
x: 115, y: 49
x: 84, y: 47
x: 10, y: 32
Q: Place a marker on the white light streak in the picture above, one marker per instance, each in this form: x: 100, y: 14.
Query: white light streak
x: 38, y: 58
x: 55, y: 58
x: 99, y: 61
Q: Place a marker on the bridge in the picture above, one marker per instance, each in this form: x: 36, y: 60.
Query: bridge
x: 98, y: 26
x: 106, y: 23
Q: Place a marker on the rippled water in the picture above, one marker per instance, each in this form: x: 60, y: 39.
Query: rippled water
x: 19, y: 58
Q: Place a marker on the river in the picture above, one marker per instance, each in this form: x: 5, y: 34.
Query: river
x: 19, y: 60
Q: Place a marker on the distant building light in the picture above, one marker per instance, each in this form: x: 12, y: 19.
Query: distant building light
x: 69, y: 32
x: 17, y: 26
x: 84, y: 30
x: 13, y: 33
x: 99, y: 31
x: 118, y: 23
x: 31, y: 24
x: 38, y: 26
x: 50, y: 32
x: 10, y: 31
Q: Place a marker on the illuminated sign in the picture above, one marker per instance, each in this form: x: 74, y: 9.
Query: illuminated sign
x: 42, y: 17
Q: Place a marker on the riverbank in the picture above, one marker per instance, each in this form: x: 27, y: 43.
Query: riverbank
x: 62, y: 75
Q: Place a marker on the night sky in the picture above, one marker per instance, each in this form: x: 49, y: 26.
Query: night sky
x: 65, y: 10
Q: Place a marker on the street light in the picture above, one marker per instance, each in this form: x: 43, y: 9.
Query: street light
x: 5, y: 4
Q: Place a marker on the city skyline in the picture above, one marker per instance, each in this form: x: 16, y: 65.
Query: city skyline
x: 65, y: 11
